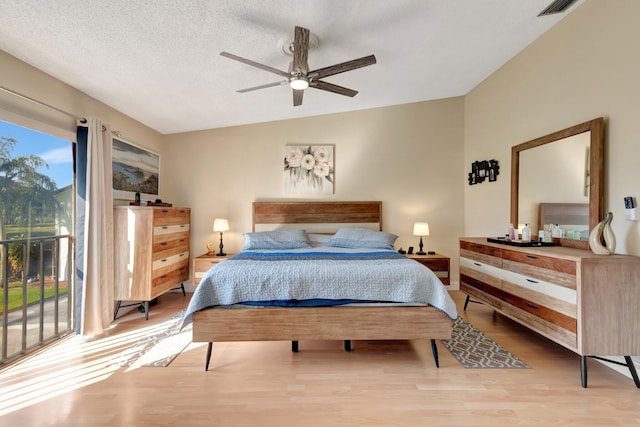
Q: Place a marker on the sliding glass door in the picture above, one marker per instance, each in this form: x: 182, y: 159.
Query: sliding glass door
x: 36, y: 245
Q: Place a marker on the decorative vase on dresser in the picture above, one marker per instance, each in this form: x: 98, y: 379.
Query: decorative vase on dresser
x: 151, y: 252
x: 585, y: 302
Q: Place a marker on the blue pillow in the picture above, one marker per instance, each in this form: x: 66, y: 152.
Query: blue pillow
x: 362, y: 238
x: 278, y: 239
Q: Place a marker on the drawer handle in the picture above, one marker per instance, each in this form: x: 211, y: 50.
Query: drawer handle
x: 165, y: 210
x: 163, y: 260
x: 181, y: 240
x: 164, y: 243
x: 164, y: 227
x: 182, y: 211
x: 164, y: 276
x: 478, y: 264
x: 477, y: 246
x: 182, y: 226
x: 532, y: 257
x: 181, y: 254
x: 533, y: 306
x: 532, y: 281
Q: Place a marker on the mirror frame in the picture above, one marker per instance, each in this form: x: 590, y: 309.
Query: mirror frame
x: 596, y: 172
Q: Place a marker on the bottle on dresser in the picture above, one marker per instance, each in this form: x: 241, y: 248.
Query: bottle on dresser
x: 526, y: 233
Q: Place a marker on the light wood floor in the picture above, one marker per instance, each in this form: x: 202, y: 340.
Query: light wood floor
x: 264, y: 384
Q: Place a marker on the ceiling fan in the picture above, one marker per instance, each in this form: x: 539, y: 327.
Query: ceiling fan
x: 299, y: 77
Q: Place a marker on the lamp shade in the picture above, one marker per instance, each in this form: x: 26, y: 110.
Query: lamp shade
x: 220, y: 225
x: 421, y: 229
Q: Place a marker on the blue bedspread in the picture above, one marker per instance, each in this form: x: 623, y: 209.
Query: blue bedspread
x: 266, y: 277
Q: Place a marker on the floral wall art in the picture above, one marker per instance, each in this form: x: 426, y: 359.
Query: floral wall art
x: 308, y: 169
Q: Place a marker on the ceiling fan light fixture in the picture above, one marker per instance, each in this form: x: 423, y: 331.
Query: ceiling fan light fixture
x: 299, y: 83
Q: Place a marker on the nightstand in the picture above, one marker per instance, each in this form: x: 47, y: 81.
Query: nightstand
x: 437, y: 263
x: 202, y: 263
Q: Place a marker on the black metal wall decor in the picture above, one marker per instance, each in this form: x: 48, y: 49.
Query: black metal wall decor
x: 483, y: 169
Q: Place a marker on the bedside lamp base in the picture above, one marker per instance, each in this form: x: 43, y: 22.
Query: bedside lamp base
x: 421, y: 252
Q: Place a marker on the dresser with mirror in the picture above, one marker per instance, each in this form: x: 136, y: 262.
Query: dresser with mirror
x: 582, y: 301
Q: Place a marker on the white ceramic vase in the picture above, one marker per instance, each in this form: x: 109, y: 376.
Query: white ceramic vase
x: 603, y: 229
x: 607, y: 233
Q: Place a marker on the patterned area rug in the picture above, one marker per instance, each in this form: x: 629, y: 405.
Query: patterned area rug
x: 473, y: 349
x: 161, y: 344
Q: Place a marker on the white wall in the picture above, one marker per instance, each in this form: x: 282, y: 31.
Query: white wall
x: 408, y: 156
x: 584, y: 67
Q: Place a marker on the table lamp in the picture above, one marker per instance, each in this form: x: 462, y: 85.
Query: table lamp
x: 221, y: 225
x: 421, y: 229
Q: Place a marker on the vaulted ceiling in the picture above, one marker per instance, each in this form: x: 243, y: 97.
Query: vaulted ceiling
x: 159, y: 61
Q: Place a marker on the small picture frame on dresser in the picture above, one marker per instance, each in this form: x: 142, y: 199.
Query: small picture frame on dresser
x: 410, y: 251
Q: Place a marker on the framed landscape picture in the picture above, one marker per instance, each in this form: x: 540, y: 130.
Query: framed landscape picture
x: 135, y: 169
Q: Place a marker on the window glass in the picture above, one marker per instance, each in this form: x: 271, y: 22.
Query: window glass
x: 36, y: 210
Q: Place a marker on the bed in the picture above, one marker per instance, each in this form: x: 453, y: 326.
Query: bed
x: 357, y: 309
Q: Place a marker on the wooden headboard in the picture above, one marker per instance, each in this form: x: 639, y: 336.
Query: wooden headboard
x: 318, y: 215
x: 571, y: 215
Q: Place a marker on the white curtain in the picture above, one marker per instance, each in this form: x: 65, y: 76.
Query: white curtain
x: 97, y: 291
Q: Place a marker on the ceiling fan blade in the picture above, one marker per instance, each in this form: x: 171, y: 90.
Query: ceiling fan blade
x: 342, y: 67
x: 249, y: 89
x: 255, y: 64
x: 301, y: 50
x: 330, y: 87
x: 297, y: 97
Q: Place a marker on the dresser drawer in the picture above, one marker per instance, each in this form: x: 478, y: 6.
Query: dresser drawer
x: 167, y: 230
x: 173, y: 254
x: 544, y: 262
x: 541, y: 311
x: 201, y: 266
x: 170, y: 216
x: 169, y: 279
x: 161, y: 245
x: 540, y: 286
x: 484, y: 254
x: 203, y: 263
x: 438, y: 264
x: 559, y: 334
x: 481, y: 267
x: 544, y: 299
x: 481, y: 249
x: 435, y: 264
x: 169, y: 262
x: 553, y: 270
x: 478, y: 283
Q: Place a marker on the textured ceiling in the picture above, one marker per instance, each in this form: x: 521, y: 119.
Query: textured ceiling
x: 158, y: 60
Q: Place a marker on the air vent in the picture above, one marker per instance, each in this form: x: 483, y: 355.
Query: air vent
x: 557, y: 6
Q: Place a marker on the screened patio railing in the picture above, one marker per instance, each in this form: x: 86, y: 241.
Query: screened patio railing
x: 37, y: 292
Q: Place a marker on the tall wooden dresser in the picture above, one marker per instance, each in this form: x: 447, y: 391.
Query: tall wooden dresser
x: 151, y: 252
x: 587, y: 303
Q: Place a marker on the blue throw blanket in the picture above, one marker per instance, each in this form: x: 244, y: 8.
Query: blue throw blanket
x: 319, y: 276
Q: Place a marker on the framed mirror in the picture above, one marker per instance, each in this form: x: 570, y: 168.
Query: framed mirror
x: 564, y: 169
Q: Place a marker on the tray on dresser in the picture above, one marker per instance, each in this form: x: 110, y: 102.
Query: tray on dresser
x: 531, y: 243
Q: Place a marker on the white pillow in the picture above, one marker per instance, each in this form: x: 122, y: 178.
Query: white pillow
x: 277, y: 239
x: 347, y: 237
x: 320, y: 239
